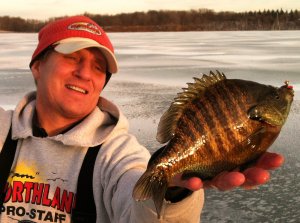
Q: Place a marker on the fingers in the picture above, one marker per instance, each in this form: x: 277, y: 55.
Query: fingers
x: 230, y: 180
x: 226, y: 181
x: 259, y: 174
x: 254, y: 177
x: 193, y: 183
x: 250, y: 178
x: 270, y: 161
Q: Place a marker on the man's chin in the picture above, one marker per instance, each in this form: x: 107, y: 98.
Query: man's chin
x: 76, y: 113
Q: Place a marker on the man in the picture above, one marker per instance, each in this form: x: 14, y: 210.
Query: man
x: 57, y: 126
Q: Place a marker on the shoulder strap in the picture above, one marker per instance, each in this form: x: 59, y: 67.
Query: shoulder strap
x: 85, y: 208
x: 7, y: 156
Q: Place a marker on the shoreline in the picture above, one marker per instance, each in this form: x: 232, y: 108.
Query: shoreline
x: 4, y: 31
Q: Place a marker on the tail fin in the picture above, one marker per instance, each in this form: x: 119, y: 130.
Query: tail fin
x: 150, y: 186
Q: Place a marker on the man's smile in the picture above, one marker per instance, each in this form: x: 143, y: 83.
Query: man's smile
x: 76, y: 88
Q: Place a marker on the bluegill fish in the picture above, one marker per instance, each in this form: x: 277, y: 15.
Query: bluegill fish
x: 216, y: 124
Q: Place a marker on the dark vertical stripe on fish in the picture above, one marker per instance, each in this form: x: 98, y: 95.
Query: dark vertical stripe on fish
x: 209, y: 121
x: 231, y: 109
x: 233, y: 90
x: 202, y: 130
x: 215, y: 102
x: 196, y: 124
x: 240, y: 103
x: 228, y: 100
x: 194, y: 127
x: 184, y: 130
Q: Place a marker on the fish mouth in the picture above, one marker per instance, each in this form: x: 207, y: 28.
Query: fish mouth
x: 77, y: 89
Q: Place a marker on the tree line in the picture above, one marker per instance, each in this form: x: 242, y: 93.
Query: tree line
x: 164, y: 20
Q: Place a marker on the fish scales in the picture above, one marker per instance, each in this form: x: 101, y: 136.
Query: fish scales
x: 215, y: 124
x: 234, y: 110
x: 219, y: 114
x: 208, y: 123
x: 228, y: 101
x: 201, y: 137
x: 227, y: 109
x: 237, y: 108
x: 197, y: 129
x: 240, y: 129
x: 219, y: 120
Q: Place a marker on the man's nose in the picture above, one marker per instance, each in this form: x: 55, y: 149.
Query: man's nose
x: 84, y: 70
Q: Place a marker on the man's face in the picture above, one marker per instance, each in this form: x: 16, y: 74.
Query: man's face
x: 69, y: 85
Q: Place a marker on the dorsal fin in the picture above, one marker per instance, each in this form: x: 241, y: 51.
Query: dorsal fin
x: 169, y: 119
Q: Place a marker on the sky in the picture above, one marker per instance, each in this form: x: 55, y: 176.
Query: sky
x: 45, y: 9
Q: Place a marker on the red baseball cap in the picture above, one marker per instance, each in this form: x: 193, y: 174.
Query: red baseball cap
x: 74, y: 33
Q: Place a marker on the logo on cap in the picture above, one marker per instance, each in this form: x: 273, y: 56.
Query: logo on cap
x: 84, y: 26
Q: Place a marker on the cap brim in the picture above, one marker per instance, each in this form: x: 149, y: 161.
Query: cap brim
x: 72, y: 45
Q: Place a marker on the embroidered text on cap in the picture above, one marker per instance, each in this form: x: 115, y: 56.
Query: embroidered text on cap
x: 84, y: 26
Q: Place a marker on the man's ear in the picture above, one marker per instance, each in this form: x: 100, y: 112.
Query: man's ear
x: 35, y: 69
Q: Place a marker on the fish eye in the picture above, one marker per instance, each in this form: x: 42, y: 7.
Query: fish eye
x: 277, y: 96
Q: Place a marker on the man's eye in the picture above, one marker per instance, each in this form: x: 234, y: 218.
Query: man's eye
x: 71, y: 57
x: 99, y: 68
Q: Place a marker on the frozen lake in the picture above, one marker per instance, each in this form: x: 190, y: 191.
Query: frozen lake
x: 154, y: 67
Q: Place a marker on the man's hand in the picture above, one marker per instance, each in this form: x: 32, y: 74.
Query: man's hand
x: 250, y: 178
